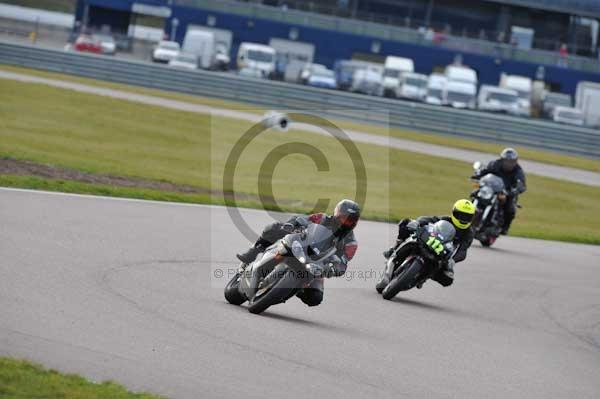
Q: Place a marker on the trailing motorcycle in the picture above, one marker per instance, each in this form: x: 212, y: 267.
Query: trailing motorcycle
x: 286, y: 267
x: 488, y: 197
x: 432, y: 245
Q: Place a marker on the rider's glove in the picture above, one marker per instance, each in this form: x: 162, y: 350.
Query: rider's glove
x: 412, y: 226
x: 316, y: 270
x: 403, y: 229
x: 287, y: 227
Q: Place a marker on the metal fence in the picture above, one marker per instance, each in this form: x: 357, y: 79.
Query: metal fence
x: 415, y: 116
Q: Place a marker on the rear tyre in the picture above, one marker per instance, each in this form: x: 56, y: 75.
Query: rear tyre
x: 405, y: 280
x: 279, y: 292
x: 232, y: 292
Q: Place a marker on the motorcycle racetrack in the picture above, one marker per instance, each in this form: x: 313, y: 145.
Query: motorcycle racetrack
x: 131, y: 291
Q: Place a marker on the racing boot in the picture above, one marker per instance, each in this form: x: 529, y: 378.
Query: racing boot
x: 385, y: 279
x: 387, y: 253
x: 252, y: 252
x: 507, y: 222
x: 390, y: 251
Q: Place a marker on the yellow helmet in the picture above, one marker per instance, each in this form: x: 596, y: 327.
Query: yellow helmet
x: 462, y: 213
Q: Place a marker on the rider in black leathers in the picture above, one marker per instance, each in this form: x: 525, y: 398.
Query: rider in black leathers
x: 342, y: 223
x: 509, y: 170
x: 462, y: 215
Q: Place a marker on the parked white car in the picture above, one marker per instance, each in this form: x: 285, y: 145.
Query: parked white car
x: 436, y: 85
x: 165, y: 51
x: 324, y: 78
x: 413, y: 86
x: 107, y: 42
x: 568, y: 115
x: 498, y: 99
x: 184, y: 60
x: 308, y: 70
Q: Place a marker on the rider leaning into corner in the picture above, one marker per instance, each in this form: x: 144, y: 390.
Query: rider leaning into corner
x: 461, y: 218
x: 508, y: 169
x: 342, y: 223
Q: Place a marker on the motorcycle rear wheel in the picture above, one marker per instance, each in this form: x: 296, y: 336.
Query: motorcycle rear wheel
x: 404, y: 281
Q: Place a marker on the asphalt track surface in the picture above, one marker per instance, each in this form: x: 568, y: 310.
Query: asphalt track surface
x: 125, y: 290
x: 537, y: 168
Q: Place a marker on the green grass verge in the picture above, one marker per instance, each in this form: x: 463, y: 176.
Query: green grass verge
x: 526, y: 153
x: 21, y: 379
x: 102, y: 135
x: 67, y: 6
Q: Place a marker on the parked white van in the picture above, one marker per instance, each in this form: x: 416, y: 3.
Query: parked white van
x: 460, y: 94
x: 393, y: 68
x: 255, y: 59
x: 523, y: 86
x: 368, y: 80
x: 200, y: 43
x: 461, y: 73
x: 413, y: 86
x: 436, y: 85
x: 498, y: 99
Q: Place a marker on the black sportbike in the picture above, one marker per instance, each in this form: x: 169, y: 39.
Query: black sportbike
x: 489, y: 197
x: 286, y: 267
x: 431, y: 246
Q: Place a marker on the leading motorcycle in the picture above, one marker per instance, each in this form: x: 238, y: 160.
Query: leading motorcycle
x: 432, y: 246
x: 285, y: 267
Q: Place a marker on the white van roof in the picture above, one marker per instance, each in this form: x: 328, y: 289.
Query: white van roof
x: 257, y: 47
x: 460, y: 73
x: 401, y: 63
x: 515, y: 81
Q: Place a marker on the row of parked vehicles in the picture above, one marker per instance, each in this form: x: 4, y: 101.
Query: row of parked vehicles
x: 292, y: 61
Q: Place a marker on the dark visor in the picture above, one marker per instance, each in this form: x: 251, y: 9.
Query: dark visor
x: 348, y: 220
x: 463, y: 217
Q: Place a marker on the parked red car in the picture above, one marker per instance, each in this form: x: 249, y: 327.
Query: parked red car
x: 88, y: 44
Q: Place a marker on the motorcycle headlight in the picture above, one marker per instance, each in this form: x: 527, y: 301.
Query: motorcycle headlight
x: 298, y: 252
x: 486, y: 193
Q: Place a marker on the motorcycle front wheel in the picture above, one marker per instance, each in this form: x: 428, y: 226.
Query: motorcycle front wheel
x: 276, y: 293
x: 405, y: 280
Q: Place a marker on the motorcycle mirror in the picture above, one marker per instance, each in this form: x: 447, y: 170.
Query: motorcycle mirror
x: 476, y: 165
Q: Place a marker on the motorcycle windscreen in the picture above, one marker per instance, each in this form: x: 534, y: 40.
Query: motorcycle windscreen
x: 319, y: 239
x: 493, y: 181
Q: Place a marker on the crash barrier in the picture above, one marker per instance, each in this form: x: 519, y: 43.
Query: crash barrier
x: 329, y: 103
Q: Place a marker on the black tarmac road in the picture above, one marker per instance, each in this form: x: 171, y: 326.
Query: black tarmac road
x: 131, y: 291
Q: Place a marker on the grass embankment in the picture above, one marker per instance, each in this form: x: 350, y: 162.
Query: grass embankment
x: 101, y: 135
x: 21, y: 379
x: 67, y: 6
x: 526, y: 153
